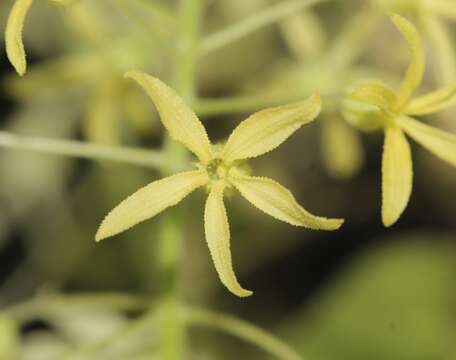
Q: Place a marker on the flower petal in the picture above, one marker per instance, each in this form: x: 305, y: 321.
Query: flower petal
x: 267, y: 129
x: 101, y: 124
x: 180, y: 121
x: 304, y: 34
x: 149, y: 201
x: 433, y: 102
x: 217, y: 232
x: 440, y: 38
x: 341, y: 148
x: 397, y: 174
x: 375, y: 94
x: 415, y: 70
x: 440, y: 143
x: 13, y: 35
x: 363, y: 116
x: 278, y: 202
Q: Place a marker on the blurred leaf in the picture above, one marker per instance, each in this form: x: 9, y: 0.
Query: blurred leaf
x: 393, y: 303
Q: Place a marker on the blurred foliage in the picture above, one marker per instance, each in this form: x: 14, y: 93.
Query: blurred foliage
x: 394, y: 301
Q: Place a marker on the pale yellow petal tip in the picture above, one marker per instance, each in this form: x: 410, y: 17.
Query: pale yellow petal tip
x: 316, y: 97
x: 334, y: 224
x: 20, y: 68
x: 398, y: 19
x: 241, y: 292
x: 132, y: 74
x: 104, y: 232
x: 16, y: 53
x: 100, y: 235
x: 326, y: 224
x: 389, y: 219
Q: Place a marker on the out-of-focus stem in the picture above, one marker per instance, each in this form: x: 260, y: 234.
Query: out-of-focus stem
x: 171, y: 236
x: 81, y: 149
x: 348, y: 45
x: 260, y: 20
x: 46, y: 306
x: 241, y: 104
x: 242, y: 330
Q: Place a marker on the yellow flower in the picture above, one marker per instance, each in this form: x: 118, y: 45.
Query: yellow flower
x: 432, y: 16
x: 329, y: 65
x: 13, y: 34
x: 396, y: 109
x: 219, y: 169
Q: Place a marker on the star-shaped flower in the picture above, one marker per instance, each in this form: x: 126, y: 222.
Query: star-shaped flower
x: 219, y: 169
x: 13, y: 34
x: 396, y: 109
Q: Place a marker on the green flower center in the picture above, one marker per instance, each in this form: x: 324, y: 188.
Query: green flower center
x: 217, y: 169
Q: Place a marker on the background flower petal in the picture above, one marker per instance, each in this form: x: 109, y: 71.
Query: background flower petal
x: 13, y: 35
x: 415, y: 71
x: 375, y: 94
x: 432, y: 102
x: 397, y: 174
x: 440, y: 143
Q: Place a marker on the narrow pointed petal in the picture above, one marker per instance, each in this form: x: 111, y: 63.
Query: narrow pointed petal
x: 375, y: 94
x: 304, y: 34
x: 101, y: 123
x: 218, y: 239
x: 13, y: 35
x: 397, y: 175
x: 278, y: 202
x: 415, y: 71
x: 149, y: 201
x: 440, y: 143
x: 441, y: 40
x: 180, y: 121
x: 433, y: 102
x: 267, y: 129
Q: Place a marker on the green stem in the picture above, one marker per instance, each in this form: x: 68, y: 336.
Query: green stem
x: 171, y: 235
x: 260, y: 20
x: 189, y: 28
x: 84, y: 150
x: 241, y: 104
x: 242, y: 330
x: 46, y: 307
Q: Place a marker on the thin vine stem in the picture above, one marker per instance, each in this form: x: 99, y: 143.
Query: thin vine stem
x: 47, y: 305
x: 255, y: 22
x: 240, y: 104
x: 241, y: 329
x: 248, y: 104
x: 173, y: 331
x: 79, y: 149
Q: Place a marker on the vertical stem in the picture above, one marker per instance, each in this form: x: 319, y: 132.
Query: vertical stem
x: 171, y: 235
x: 189, y: 24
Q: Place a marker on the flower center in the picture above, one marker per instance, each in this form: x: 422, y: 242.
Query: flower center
x: 217, y: 169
